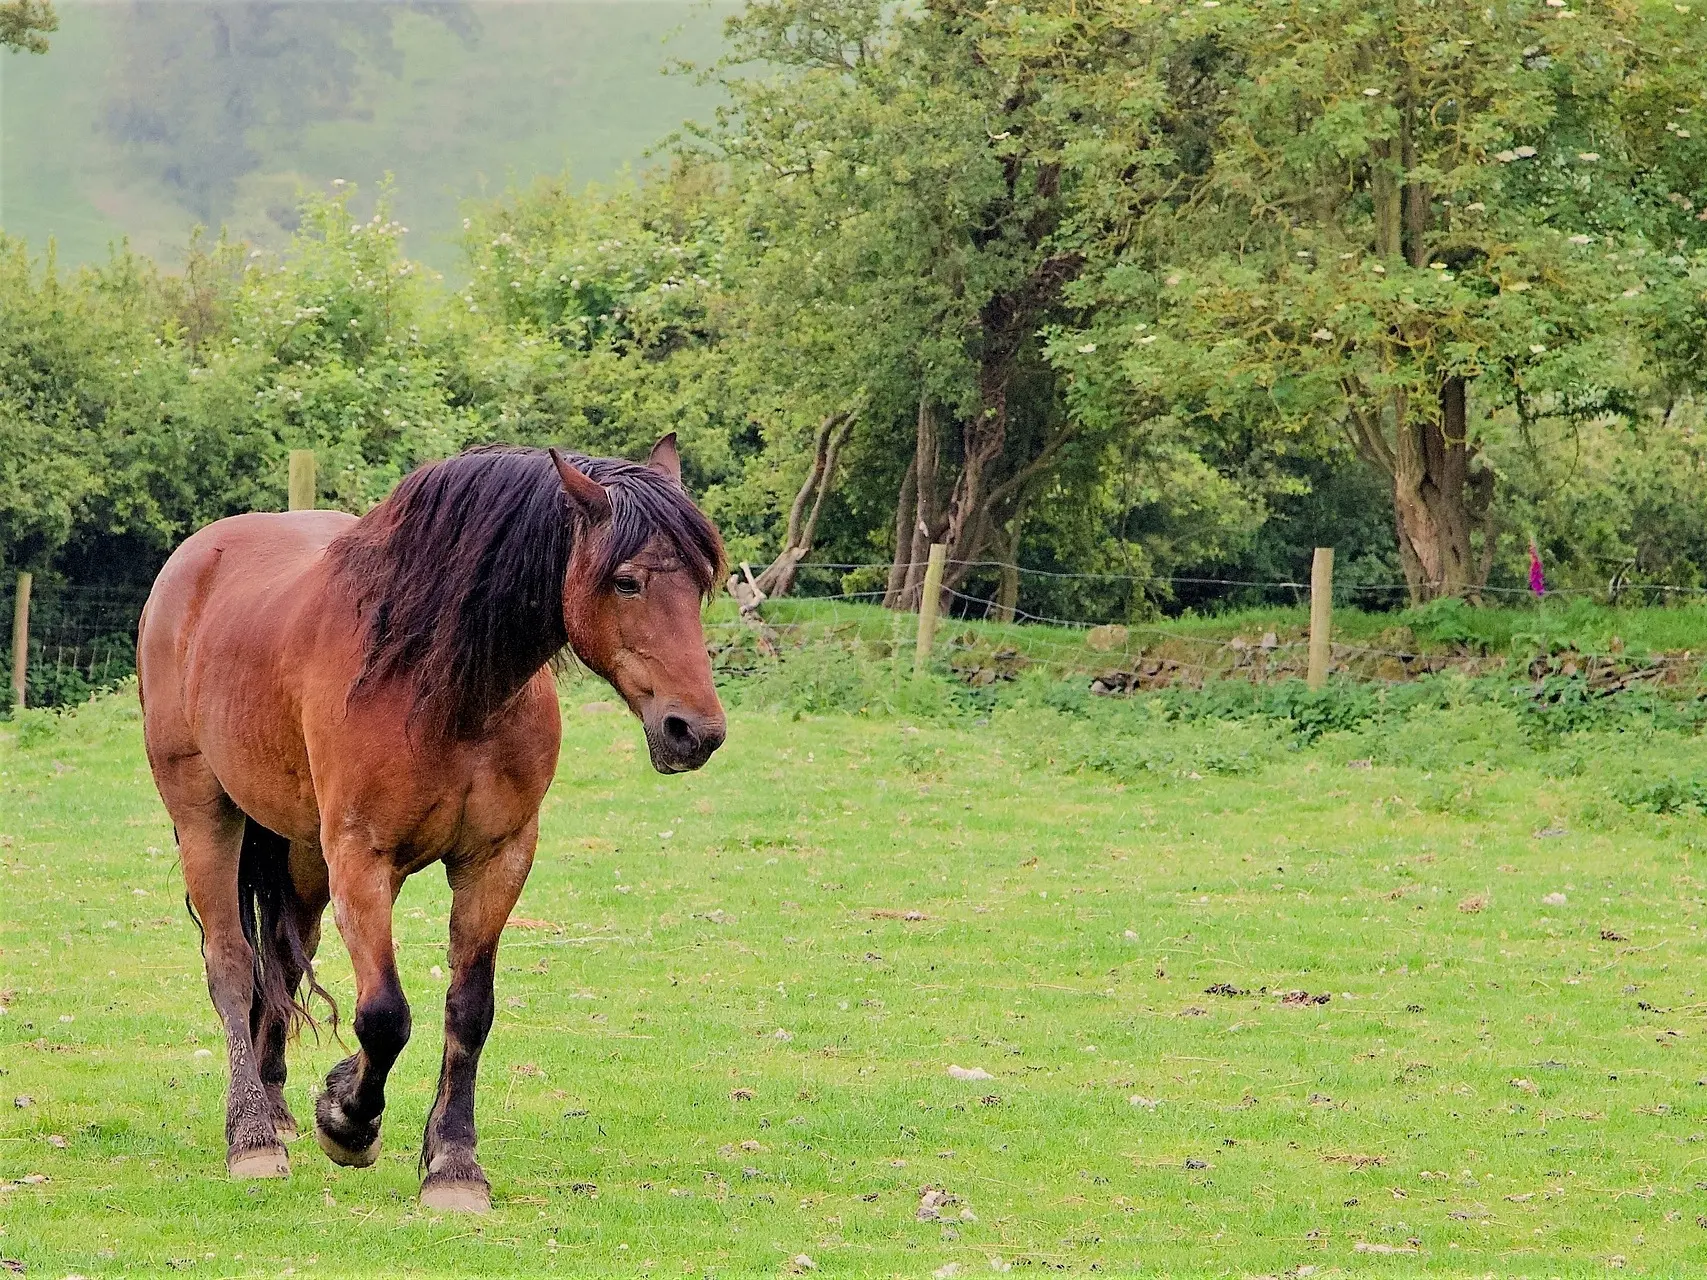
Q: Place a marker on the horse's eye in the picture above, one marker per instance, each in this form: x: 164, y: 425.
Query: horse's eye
x: 627, y: 585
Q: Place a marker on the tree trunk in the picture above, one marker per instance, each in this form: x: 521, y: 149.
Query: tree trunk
x: 905, y: 507
x: 1437, y: 501
x: 980, y: 499
x: 1384, y: 186
x: 778, y: 578
x: 1433, y: 493
x: 928, y: 521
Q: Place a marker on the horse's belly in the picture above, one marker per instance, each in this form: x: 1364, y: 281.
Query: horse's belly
x: 261, y: 761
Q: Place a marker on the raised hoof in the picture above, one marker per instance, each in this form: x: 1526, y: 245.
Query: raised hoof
x: 338, y: 1153
x: 259, y: 1162
x: 456, y: 1195
x: 287, y: 1133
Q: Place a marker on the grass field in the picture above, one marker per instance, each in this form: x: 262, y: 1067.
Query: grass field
x: 730, y: 1001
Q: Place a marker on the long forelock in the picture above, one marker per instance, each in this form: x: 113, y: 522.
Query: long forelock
x: 458, y: 576
x: 645, y: 506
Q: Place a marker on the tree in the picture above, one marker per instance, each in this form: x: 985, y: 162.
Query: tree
x: 778, y: 577
x: 26, y: 24
x: 908, y: 223
x: 1390, y: 218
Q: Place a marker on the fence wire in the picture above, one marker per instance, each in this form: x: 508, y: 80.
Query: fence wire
x: 83, y: 638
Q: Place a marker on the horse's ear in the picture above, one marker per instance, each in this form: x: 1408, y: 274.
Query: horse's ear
x: 587, y: 494
x: 665, y: 459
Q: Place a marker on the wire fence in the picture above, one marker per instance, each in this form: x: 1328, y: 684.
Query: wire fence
x: 1616, y: 590
x: 1126, y: 657
x: 83, y: 638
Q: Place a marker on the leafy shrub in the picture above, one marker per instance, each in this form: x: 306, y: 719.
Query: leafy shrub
x: 824, y: 681
x: 36, y: 727
x: 1665, y: 795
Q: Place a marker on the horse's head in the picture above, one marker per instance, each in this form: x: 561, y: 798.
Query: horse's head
x: 644, y: 558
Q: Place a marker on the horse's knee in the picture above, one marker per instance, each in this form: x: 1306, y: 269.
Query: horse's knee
x: 382, y: 1024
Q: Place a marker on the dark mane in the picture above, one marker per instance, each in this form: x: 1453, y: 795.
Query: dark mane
x: 458, y: 575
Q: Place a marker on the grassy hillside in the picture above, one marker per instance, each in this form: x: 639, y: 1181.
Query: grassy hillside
x: 453, y: 109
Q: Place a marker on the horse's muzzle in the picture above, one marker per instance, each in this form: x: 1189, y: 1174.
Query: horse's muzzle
x: 681, y: 740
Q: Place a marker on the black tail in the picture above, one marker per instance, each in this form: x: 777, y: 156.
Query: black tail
x: 265, y: 904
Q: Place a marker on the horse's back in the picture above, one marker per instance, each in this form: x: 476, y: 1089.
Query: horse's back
x: 248, y: 561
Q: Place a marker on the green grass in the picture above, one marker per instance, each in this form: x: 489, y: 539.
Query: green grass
x: 1505, y: 1091
x: 1580, y: 624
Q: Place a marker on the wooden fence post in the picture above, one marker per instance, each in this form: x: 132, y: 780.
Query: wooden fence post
x: 302, y: 479
x: 21, y: 643
x: 929, y: 598
x: 1321, y: 615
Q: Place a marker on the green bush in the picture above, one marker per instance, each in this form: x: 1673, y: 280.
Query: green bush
x: 36, y: 727
x: 1666, y: 795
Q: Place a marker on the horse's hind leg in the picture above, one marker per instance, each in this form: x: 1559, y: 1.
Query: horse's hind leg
x: 301, y: 910
x: 210, y: 838
x: 347, y: 1114
x: 484, y: 890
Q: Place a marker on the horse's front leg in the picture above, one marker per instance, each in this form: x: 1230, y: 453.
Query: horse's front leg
x: 364, y: 886
x: 484, y: 889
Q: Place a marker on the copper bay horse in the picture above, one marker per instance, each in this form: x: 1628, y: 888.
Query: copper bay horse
x: 331, y: 705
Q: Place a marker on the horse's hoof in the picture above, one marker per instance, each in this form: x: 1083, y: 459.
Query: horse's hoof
x: 338, y: 1153
x: 456, y: 1195
x: 287, y: 1133
x: 259, y: 1162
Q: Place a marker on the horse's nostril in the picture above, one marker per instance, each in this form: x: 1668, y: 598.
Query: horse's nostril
x: 680, y: 733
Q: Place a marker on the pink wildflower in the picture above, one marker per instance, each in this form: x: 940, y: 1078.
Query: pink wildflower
x: 1537, y: 580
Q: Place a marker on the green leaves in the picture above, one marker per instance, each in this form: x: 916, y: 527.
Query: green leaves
x: 25, y: 24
